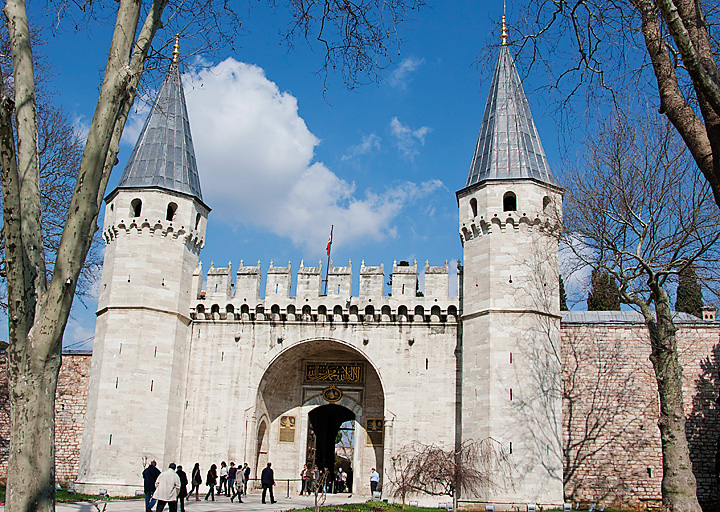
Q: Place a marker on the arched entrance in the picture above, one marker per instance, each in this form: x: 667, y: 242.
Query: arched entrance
x: 320, y: 397
x: 331, y: 441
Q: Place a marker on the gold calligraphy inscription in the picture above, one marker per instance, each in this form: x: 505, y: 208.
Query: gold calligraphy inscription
x: 375, y: 428
x: 287, y: 429
x: 346, y: 373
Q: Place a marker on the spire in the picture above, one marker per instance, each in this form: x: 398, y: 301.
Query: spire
x: 508, y: 146
x: 164, y: 156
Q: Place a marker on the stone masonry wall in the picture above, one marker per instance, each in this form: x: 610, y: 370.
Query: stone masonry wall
x: 70, y: 402
x: 611, y: 440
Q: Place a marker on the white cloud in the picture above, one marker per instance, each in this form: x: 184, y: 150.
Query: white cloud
x: 367, y: 144
x: 401, y: 75
x: 407, y: 139
x: 255, y: 155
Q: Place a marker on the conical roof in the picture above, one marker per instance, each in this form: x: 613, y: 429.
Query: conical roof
x: 164, y: 156
x: 508, y: 146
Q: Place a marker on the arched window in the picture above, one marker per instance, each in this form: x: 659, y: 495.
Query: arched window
x: 402, y: 313
x: 136, y: 207
x: 307, y: 313
x: 546, y: 203
x: 197, y: 220
x: 473, y: 207
x: 171, y: 209
x: 369, y: 313
x: 509, y: 202
x: 245, y: 312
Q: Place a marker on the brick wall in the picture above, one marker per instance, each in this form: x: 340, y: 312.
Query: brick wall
x: 70, y: 402
x: 611, y: 440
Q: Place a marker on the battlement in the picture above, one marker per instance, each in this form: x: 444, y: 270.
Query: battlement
x: 479, y: 226
x: 224, y: 301
x: 164, y: 228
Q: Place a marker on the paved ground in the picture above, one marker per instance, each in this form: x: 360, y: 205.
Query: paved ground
x: 221, y: 504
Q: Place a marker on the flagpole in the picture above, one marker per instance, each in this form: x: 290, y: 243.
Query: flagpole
x: 329, y: 248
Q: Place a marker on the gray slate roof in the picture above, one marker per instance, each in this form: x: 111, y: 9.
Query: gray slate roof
x: 164, y: 156
x: 622, y: 317
x: 508, y: 146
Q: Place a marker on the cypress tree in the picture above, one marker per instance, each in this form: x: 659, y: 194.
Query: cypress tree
x: 689, y: 292
x: 563, y: 295
x: 604, y: 294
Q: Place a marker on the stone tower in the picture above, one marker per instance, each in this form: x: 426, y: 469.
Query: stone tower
x: 509, y: 213
x: 154, y: 229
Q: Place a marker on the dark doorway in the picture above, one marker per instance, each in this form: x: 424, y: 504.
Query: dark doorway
x: 325, y: 422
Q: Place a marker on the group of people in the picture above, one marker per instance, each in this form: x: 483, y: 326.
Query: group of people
x: 310, y: 479
x: 170, y: 486
x: 231, y: 481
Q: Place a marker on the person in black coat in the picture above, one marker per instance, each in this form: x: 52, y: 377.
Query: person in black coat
x: 211, y: 481
x: 196, y: 481
x: 183, y: 487
x: 150, y: 475
x: 267, y: 479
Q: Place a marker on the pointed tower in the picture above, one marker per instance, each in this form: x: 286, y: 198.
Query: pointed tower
x: 509, y: 214
x: 154, y: 229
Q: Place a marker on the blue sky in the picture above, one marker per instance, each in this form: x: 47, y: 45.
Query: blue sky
x: 280, y: 161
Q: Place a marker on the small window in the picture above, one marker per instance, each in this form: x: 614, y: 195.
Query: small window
x: 171, y: 209
x: 197, y: 221
x: 473, y: 207
x: 546, y: 203
x: 509, y: 202
x: 136, y: 207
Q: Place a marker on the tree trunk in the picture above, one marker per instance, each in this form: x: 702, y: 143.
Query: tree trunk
x: 679, y: 489
x: 32, y: 378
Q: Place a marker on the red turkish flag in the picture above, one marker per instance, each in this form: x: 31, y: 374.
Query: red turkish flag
x: 329, y: 242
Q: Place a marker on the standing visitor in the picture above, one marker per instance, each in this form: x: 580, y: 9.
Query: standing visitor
x: 374, y: 481
x: 338, y: 481
x: 232, y: 475
x: 150, y: 475
x: 167, y: 486
x: 343, y: 479
x: 246, y: 472
x: 183, y: 487
x: 223, y: 489
x: 211, y: 481
x: 267, y: 479
x: 303, y: 480
x: 196, y: 481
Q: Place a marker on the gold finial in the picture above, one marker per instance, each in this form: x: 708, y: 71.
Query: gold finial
x: 503, y: 32
x: 176, y: 48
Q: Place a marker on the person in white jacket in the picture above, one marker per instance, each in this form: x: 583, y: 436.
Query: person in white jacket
x: 167, y: 487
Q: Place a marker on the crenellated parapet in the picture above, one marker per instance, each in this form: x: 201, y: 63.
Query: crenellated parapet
x: 164, y: 228
x: 311, y: 303
x: 506, y: 222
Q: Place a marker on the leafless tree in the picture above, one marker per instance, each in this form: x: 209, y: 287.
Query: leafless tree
x: 39, y: 301
x: 474, y: 467
x: 639, y: 209
x: 664, y: 49
x: 60, y: 148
